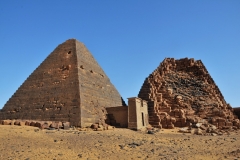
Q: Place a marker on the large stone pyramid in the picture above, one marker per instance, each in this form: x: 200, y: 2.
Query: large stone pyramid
x: 182, y: 92
x: 69, y: 85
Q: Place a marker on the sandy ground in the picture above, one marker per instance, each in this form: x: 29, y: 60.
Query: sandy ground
x: 31, y: 143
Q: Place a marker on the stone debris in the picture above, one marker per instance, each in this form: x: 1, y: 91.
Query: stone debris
x: 206, y: 129
x: 151, y: 130
x: 53, y: 125
x: 39, y: 124
x: 99, y: 127
x: 181, y: 93
x: 134, y: 145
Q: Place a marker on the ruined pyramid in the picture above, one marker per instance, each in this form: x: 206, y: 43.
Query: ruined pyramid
x: 69, y: 85
x: 182, y: 92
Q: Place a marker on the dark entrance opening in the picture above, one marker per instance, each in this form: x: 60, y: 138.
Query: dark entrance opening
x: 143, y: 119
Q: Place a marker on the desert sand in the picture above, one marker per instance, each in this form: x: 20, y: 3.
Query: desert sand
x: 32, y: 143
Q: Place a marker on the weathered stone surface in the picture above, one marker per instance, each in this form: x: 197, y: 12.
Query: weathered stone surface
x: 69, y: 85
x: 137, y: 113
x: 27, y: 123
x: 183, y: 89
x: 66, y: 125
x: 38, y: 124
x: 44, y: 126
x: 117, y: 116
x: 56, y: 125
x: 12, y: 122
x: 6, y: 122
x: 94, y: 126
x: 17, y: 122
x: 33, y: 124
x: 22, y: 123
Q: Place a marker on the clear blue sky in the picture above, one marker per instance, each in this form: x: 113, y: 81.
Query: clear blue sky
x: 128, y: 38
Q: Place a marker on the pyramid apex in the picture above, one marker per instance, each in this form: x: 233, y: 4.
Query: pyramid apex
x: 69, y: 85
x: 73, y: 40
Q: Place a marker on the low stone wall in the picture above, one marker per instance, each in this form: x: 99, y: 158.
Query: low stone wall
x: 117, y: 116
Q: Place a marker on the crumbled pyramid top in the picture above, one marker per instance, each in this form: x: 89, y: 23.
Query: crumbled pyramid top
x: 181, y: 92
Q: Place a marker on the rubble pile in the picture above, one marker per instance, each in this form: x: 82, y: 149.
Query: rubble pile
x: 51, y: 125
x: 181, y: 93
x: 207, y: 129
x: 39, y: 124
x: 99, y: 127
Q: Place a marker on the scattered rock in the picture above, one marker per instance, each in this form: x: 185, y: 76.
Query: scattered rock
x: 150, y: 132
x: 198, y: 125
x: 214, y: 134
x: 94, y: 126
x: 121, y: 146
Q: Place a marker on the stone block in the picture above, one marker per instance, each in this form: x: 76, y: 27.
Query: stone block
x: 170, y: 126
x: 94, y: 126
x: 66, y: 125
x: 12, y: 122
x: 44, y: 126
x: 56, y: 125
x: 215, y: 124
x: 32, y: 124
x: 229, y: 124
x: 6, y: 122
x: 202, y: 127
x: 38, y: 124
x: 221, y: 120
x: 22, y: 123
x: 17, y: 122
x: 221, y: 124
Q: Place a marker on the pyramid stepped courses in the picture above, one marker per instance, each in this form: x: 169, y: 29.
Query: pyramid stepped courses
x: 180, y: 92
x: 68, y: 85
x: 96, y: 90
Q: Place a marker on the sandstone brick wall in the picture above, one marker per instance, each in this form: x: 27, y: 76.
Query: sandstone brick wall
x: 51, y: 92
x: 96, y: 90
x: 68, y: 85
x: 137, y: 113
x: 117, y: 116
x: 180, y: 92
